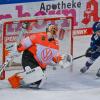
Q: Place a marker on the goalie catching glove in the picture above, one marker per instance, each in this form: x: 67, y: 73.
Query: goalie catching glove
x: 66, y: 61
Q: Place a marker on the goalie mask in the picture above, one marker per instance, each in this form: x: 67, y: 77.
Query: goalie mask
x: 52, y: 31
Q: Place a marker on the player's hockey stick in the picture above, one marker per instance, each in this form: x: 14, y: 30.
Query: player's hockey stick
x: 85, y: 55
x: 79, y: 57
x: 9, y: 47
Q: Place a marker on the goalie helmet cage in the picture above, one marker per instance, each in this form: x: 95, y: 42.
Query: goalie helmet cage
x: 12, y: 28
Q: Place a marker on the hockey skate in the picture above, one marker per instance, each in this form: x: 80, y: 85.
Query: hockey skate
x: 84, y: 69
x: 36, y: 82
x: 37, y: 85
x: 98, y: 73
x: 34, y: 85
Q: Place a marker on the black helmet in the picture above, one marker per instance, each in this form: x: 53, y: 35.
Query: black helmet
x: 96, y: 26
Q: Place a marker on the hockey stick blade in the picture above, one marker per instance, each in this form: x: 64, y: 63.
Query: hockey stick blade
x: 6, y: 64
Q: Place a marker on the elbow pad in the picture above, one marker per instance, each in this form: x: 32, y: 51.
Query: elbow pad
x: 25, y: 43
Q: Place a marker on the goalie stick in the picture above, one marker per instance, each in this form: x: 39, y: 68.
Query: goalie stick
x: 6, y: 63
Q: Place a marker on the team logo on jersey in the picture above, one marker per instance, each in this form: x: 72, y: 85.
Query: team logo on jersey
x: 46, y: 54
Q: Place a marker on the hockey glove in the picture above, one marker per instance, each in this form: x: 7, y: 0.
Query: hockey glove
x: 66, y: 61
x: 89, y: 52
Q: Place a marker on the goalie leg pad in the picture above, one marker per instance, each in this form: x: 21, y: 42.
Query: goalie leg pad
x: 27, y: 77
x: 32, y: 75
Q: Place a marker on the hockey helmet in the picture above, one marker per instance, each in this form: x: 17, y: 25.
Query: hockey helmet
x: 52, y: 29
x: 96, y: 26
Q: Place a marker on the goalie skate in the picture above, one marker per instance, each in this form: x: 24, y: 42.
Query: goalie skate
x: 36, y: 85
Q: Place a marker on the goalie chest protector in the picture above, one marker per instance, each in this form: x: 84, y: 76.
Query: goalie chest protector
x: 42, y: 49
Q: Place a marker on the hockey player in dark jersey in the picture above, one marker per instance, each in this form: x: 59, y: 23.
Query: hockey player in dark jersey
x: 93, y: 52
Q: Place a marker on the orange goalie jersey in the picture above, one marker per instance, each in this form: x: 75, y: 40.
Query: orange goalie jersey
x: 43, y: 50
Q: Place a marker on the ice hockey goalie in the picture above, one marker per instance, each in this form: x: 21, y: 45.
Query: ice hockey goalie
x: 39, y: 50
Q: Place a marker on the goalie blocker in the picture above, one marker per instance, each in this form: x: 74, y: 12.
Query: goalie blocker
x: 26, y: 78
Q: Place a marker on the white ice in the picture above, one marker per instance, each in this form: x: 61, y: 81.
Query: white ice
x: 61, y: 84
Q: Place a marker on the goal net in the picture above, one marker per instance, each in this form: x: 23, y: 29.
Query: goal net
x: 15, y: 29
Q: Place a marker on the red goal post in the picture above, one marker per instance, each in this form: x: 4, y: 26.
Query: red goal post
x: 12, y: 28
